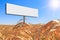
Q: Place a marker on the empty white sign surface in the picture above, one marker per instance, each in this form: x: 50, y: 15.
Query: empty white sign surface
x: 21, y: 10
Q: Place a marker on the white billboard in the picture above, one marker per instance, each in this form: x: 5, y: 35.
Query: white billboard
x: 21, y: 10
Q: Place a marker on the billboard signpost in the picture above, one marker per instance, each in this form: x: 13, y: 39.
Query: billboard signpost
x: 21, y: 10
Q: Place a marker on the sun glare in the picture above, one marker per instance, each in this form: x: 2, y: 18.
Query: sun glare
x: 54, y: 4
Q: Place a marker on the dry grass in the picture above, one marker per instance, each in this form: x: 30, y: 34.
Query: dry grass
x: 30, y: 31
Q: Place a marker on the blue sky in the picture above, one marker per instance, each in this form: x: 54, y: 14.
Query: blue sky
x: 45, y: 13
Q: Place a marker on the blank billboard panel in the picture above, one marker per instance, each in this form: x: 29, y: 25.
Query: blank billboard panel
x: 21, y: 10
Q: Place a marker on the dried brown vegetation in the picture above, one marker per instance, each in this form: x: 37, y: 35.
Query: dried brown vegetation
x: 49, y: 31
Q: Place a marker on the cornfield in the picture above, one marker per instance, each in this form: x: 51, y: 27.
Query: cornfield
x: 49, y: 31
